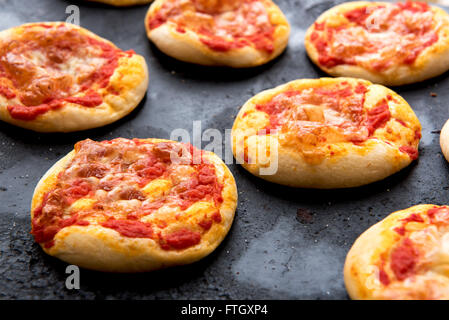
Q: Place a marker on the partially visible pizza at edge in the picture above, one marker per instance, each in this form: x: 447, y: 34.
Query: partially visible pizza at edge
x: 234, y: 33
x: 403, y: 257
x: 386, y: 43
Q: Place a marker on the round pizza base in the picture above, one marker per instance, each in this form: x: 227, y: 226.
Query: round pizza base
x: 359, y: 165
x: 433, y: 61
x: 131, y: 76
x: 187, y: 46
x: 361, y: 273
x: 97, y: 248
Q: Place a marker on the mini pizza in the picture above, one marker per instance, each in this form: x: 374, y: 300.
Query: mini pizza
x: 57, y: 77
x: 386, y: 43
x: 444, y: 140
x: 404, y: 256
x: 326, y: 133
x: 235, y: 33
x: 123, y: 3
x: 133, y: 205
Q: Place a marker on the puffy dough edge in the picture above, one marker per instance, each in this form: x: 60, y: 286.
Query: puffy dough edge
x: 433, y: 61
x: 187, y: 46
x: 377, y: 238
x: 97, y: 248
x: 354, y: 169
x: 444, y: 140
x: 123, y: 3
x: 131, y: 76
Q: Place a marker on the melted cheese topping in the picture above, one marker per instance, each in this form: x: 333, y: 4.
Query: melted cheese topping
x: 418, y: 262
x: 376, y: 37
x: 221, y: 25
x: 315, y: 120
x: 139, y: 189
x: 46, y: 65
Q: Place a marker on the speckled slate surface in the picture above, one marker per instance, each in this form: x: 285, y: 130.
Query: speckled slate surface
x: 271, y: 252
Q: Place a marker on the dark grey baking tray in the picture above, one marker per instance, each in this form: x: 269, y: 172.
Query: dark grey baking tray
x: 285, y: 243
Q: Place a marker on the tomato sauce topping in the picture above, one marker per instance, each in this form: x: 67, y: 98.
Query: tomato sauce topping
x: 222, y: 25
x: 46, y: 68
x: 325, y: 114
x: 378, y: 116
x: 404, y: 260
x: 405, y: 256
x: 130, y: 228
x: 181, y: 239
x: 414, y: 217
x: 411, y: 151
x: 383, y: 275
x: 207, y: 223
x: 112, y: 175
x: 7, y: 92
x: 439, y: 215
x: 377, y: 37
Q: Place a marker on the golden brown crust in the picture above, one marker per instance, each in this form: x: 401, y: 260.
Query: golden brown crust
x: 330, y: 165
x: 99, y: 248
x: 188, y: 47
x: 433, y: 61
x: 374, y: 262
x: 131, y: 76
